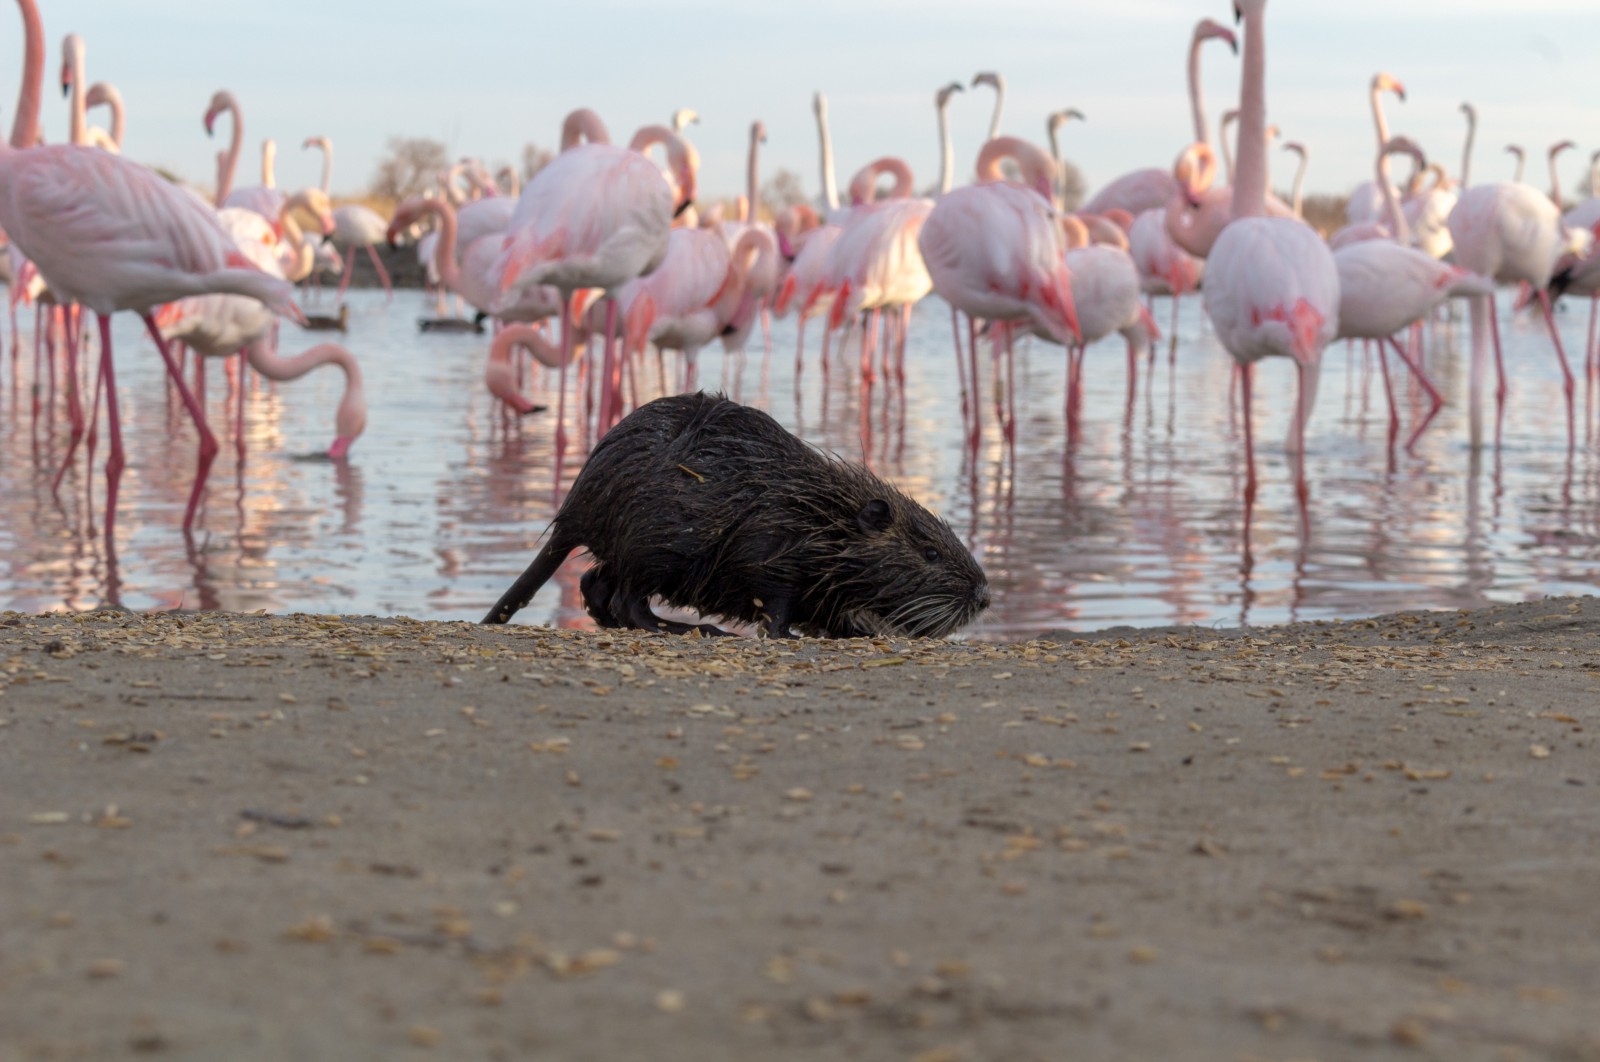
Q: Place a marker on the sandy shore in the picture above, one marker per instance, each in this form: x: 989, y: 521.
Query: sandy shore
x: 252, y: 837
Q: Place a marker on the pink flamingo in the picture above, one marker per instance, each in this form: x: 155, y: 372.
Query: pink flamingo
x: 875, y: 263
x: 354, y: 226
x: 1555, y: 174
x: 1427, y: 211
x: 1472, y: 131
x: 500, y: 374
x: 1152, y: 189
x: 470, y: 275
x: 110, y: 235
x: 1105, y: 285
x: 1272, y: 287
x: 1386, y: 286
x: 596, y: 217
x: 693, y: 295
x: 1512, y: 234
x: 1390, y: 223
x: 830, y: 185
x: 993, y: 251
x: 1367, y: 201
x: 219, y: 325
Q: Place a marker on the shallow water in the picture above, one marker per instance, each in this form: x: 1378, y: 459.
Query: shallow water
x: 445, y: 498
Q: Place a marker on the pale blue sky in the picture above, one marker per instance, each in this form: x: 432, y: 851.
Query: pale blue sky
x: 486, y: 77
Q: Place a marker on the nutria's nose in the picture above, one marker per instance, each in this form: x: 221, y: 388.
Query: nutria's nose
x: 981, y: 598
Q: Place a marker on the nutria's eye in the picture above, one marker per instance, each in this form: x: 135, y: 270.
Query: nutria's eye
x: 930, y: 555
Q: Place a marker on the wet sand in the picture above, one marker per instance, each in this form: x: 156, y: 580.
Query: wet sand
x: 257, y: 837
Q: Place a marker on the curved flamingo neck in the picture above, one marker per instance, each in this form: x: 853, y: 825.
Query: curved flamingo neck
x: 327, y: 160
x: 681, y: 159
x: 583, y: 125
x: 1555, y: 174
x: 1226, y: 142
x: 1250, y: 174
x: 228, y: 161
x: 947, y: 148
x: 751, y: 251
x: 103, y: 93
x: 1034, y: 164
x: 999, y: 105
x: 25, y: 127
x: 830, y: 184
x: 351, y: 419
x: 864, y: 185
x: 1522, y: 162
x: 1466, y: 150
x: 1391, y: 201
x: 444, y: 250
x: 72, y: 74
x: 1203, y: 30
x: 1378, y: 119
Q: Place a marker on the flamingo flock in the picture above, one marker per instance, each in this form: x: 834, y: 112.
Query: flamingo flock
x: 611, y: 245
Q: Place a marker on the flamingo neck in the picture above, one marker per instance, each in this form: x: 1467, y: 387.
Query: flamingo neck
x: 753, y: 174
x: 1391, y: 202
x: 999, y: 106
x: 1466, y: 149
x: 228, y: 162
x: 1378, y: 118
x: 583, y: 125
x: 269, y: 155
x: 327, y: 164
x: 1197, y: 106
x: 1300, y: 187
x: 105, y: 93
x: 77, y: 132
x: 830, y: 184
x: 1250, y: 175
x: 25, y: 127
x: 1037, y: 171
x: 1555, y: 180
x: 1225, y: 142
x: 947, y: 149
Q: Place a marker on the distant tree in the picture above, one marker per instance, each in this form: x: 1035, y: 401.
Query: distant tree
x: 411, y: 167
x: 534, y: 159
x: 783, y: 190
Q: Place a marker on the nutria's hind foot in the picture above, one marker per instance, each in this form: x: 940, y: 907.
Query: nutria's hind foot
x: 599, y: 596
x: 643, y: 616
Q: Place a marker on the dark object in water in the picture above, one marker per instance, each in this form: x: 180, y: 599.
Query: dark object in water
x: 713, y: 506
x: 452, y: 324
x: 341, y: 323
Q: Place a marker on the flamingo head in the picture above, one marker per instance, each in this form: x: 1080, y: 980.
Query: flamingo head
x: 1470, y: 111
x: 990, y: 78
x: 220, y: 102
x: 1401, y: 145
x: 1389, y: 83
x: 685, y: 116
x: 1560, y: 146
x: 942, y: 97
x: 314, y: 142
x: 1195, y: 171
x: 1206, y: 29
x: 71, y: 53
x: 1296, y: 147
x: 1060, y: 118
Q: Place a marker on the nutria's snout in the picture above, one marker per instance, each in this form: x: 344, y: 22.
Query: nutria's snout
x: 980, y: 600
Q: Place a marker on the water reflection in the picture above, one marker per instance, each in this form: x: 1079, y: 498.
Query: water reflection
x: 1137, y: 520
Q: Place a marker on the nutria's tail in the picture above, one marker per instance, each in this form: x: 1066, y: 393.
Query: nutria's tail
x: 539, y: 572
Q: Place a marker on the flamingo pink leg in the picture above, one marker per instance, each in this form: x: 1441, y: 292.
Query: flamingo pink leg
x: 1566, y: 369
x: 115, y: 458
x: 1394, y: 412
x: 561, y: 383
x: 208, y: 441
x: 349, y: 267
x: 383, y: 274
x: 1434, y: 396
x: 1246, y: 377
x: 961, y: 367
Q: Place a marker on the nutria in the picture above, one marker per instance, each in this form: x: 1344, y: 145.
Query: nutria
x: 713, y: 506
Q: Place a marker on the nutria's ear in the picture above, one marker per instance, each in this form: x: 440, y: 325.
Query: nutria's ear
x: 875, y: 516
